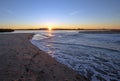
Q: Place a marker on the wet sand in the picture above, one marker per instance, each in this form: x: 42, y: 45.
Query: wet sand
x: 22, y: 61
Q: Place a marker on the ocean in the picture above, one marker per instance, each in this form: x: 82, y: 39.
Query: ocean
x: 93, y: 55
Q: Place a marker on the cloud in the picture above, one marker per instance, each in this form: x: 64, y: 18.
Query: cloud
x: 74, y: 13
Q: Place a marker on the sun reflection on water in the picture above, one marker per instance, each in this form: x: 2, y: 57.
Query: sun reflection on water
x: 49, y: 41
x: 50, y: 30
x: 50, y: 33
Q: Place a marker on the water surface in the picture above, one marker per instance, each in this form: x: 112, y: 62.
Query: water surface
x: 96, y: 56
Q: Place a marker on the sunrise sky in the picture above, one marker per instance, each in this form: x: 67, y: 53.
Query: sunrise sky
x: 19, y: 14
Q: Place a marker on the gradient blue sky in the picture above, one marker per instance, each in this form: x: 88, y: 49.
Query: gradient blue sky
x: 84, y: 13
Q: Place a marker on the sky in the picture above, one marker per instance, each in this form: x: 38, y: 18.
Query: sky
x: 18, y: 14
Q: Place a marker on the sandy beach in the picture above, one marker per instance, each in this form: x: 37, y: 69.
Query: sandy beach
x: 22, y: 61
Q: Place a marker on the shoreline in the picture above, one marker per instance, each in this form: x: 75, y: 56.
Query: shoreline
x: 21, y: 60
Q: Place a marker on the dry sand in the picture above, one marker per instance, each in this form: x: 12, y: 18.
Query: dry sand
x: 21, y: 61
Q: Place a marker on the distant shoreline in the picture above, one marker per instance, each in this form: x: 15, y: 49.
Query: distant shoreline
x: 90, y: 31
x: 6, y: 30
x: 101, y: 31
x: 73, y: 29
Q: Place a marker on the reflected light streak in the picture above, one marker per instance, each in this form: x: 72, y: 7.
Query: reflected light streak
x: 50, y: 30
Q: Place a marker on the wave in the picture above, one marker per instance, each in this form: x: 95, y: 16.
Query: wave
x: 94, y: 56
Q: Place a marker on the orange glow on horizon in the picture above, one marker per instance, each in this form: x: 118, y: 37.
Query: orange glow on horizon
x: 50, y: 26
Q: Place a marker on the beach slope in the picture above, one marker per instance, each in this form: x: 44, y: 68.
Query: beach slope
x: 22, y: 61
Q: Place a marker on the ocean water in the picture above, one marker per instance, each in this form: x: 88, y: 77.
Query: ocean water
x: 96, y: 56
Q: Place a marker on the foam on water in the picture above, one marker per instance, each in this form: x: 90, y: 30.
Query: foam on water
x: 96, y: 56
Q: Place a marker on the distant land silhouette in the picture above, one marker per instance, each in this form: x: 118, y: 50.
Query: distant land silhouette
x: 69, y: 29
x: 84, y: 30
x: 6, y: 30
x: 114, y: 31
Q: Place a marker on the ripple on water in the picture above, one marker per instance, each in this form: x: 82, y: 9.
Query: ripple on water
x: 80, y: 52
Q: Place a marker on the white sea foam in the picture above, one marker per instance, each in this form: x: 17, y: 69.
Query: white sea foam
x: 96, y: 56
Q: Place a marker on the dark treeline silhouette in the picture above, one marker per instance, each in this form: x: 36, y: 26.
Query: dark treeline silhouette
x: 6, y: 30
x: 106, y: 31
x: 87, y: 30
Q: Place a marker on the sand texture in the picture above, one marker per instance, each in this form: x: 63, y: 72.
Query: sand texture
x: 22, y: 61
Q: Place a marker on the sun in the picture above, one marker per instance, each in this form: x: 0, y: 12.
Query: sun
x: 50, y: 27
